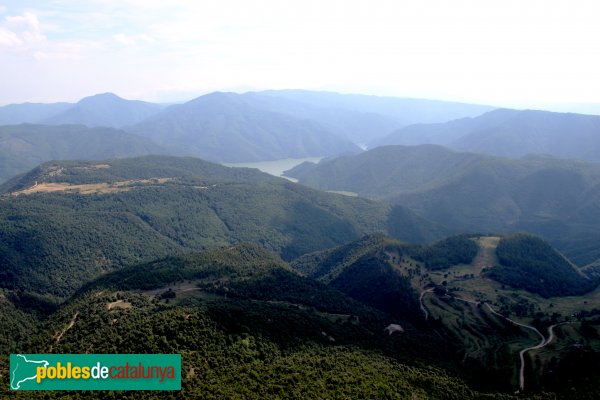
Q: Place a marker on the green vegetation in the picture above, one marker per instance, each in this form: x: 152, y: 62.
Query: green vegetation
x: 247, y: 325
x: 227, y: 127
x: 326, y: 265
x: 530, y: 263
x: 233, y: 349
x: 23, y: 147
x: 181, y: 255
x: 152, y: 207
x: 367, y: 270
x: 510, y: 133
x: 448, y: 252
x: 555, y: 199
x: 374, y: 282
x: 54, y: 242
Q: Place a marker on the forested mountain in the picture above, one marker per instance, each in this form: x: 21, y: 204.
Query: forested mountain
x: 270, y: 289
x: 66, y: 222
x: 358, y: 118
x: 106, y: 109
x: 246, y: 324
x: 466, y: 192
x: 528, y: 262
x: 224, y: 127
x: 365, y: 271
x: 24, y: 146
x: 13, y: 114
x: 511, y: 133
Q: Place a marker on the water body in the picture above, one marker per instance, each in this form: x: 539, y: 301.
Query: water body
x: 276, y: 167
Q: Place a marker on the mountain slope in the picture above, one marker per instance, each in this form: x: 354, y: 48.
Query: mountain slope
x: 404, y: 111
x: 385, y: 171
x: 511, y: 133
x: 226, y: 127
x: 530, y: 263
x: 22, y: 147
x: 309, y: 341
x: 106, y: 109
x: 368, y: 271
x: 14, y: 114
x: 66, y: 222
x: 357, y: 125
x: 465, y: 192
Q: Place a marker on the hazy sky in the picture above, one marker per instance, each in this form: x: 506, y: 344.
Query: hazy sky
x: 498, y: 52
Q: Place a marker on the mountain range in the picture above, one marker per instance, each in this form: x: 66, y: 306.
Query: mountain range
x: 468, y: 192
x: 405, y: 271
x: 223, y: 127
x: 265, y: 286
x: 122, y: 211
x: 510, y: 133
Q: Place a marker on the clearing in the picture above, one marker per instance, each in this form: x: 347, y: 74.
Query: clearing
x: 90, y: 188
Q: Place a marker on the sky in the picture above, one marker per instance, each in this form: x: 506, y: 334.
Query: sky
x: 505, y: 53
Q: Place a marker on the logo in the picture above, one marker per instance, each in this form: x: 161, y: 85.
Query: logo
x: 95, y: 371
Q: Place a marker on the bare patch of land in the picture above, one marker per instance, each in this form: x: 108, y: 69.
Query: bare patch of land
x: 118, y: 304
x: 103, y: 187
x: 487, y: 252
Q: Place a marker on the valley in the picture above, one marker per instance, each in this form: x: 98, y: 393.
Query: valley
x: 322, y: 200
x: 364, y: 279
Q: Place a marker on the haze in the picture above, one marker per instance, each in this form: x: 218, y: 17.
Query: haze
x: 505, y: 53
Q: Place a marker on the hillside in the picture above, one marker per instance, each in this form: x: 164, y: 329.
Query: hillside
x: 466, y: 192
x: 225, y: 127
x: 308, y: 341
x: 32, y: 113
x: 528, y: 262
x: 22, y: 147
x: 367, y: 271
x: 243, y: 271
x: 511, y: 133
x: 67, y: 222
x: 385, y: 171
x: 106, y: 109
x: 244, y: 322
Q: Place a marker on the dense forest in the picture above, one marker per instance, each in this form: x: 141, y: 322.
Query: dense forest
x: 528, y: 262
x: 270, y: 289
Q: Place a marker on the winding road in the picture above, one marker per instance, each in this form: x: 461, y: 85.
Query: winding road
x: 543, y: 341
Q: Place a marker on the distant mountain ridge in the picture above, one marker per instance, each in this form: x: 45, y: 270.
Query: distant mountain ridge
x: 106, y: 109
x: 404, y: 111
x: 31, y: 113
x: 226, y: 127
x: 511, y: 133
x: 230, y: 127
x: 363, y: 118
